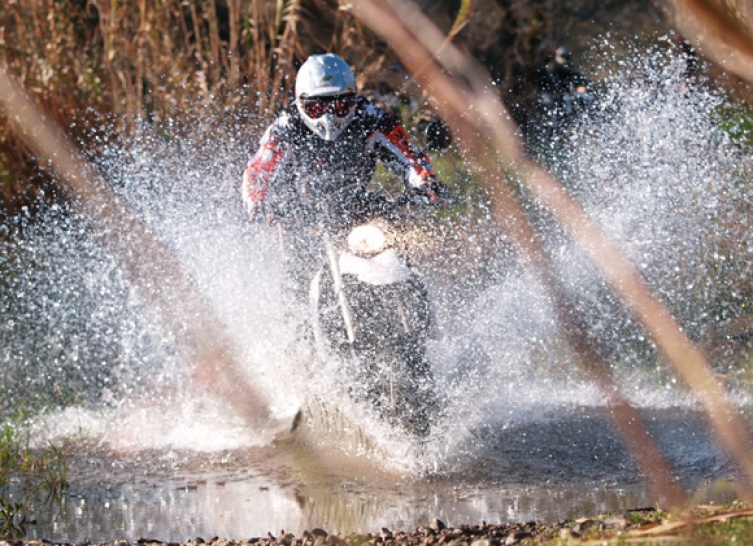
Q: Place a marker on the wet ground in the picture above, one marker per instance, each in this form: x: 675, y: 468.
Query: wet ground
x: 563, y: 467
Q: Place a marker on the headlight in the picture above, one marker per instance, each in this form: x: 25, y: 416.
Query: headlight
x: 366, y: 239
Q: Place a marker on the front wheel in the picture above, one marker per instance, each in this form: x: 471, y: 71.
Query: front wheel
x: 398, y: 383
x: 386, y: 362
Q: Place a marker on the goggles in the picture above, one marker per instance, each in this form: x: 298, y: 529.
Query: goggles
x: 316, y: 107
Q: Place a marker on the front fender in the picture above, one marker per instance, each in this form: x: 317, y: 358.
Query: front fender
x: 385, y: 268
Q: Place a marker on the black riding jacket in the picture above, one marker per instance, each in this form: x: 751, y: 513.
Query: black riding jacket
x: 292, y: 164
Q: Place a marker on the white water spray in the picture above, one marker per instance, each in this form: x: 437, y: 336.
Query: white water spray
x: 656, y: 168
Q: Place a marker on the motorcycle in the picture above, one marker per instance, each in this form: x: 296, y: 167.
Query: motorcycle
x: 369, y: 308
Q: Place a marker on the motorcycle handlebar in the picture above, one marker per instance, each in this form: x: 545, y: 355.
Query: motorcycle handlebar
x: 342, y: 207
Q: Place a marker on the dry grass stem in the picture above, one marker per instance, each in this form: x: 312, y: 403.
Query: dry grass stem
x: 723, y: 30
x: 142, y: 256
x: 480, y: 120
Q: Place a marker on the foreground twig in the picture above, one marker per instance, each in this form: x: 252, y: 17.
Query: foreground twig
x: 720, y: 32
x: 488, y: 136
x: 147, y: 263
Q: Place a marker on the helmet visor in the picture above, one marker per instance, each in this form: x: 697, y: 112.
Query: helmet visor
x: 316, y: 107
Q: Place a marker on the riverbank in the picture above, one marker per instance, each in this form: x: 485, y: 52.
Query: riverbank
x: 703, y: 525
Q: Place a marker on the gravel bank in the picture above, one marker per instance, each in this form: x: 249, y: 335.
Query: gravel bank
x: 704, y: 523
x: 436, y: 533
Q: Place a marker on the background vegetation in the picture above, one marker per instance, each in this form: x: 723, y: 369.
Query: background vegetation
x: 89, y: 60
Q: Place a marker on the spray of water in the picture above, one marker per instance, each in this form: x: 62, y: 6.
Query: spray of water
x: 652, y: 162
x: 661, y: 162
x: 662, y: 166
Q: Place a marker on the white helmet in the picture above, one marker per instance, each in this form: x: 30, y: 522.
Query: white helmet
x: 325, y: 94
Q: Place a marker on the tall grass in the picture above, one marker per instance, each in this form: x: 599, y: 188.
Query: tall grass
x: 24, y: 474
x: 84, y: 60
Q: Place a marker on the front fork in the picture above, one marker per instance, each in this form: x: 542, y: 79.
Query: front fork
x: 337, y: 286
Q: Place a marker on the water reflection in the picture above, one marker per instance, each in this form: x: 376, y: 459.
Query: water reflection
x: 177, y: 511
x: 560, y: 468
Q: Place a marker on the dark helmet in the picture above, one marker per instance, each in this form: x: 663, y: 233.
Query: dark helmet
x: 562, y: 55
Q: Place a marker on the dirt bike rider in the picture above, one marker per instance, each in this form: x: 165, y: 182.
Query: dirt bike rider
x: 562, y: 90
x: 330, y: 137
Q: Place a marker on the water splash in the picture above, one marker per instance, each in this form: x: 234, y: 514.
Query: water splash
x: 654, y: 165
x: 661, y: 163
x: 662, y: 168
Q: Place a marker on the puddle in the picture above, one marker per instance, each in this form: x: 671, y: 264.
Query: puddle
x: 565, y: 467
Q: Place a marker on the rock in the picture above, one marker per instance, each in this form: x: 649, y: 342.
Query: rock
x: 582, y: 525
x: 485, y: 542
x: 615, y: 523
x: 437, y: 525
x: 515, y: 537
x: 286, y: 539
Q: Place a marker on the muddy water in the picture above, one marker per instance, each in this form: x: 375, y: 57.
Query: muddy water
x: 550, y: 470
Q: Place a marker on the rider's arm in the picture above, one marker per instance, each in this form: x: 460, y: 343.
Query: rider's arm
x: 395, y: 150
x: 262, y: 167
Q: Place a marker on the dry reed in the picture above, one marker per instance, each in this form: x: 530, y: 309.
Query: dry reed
x: 82, y: 60
x: 459, y: 86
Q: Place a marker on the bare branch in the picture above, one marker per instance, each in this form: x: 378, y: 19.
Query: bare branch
x: 474, y: 112
x: 147, y: 263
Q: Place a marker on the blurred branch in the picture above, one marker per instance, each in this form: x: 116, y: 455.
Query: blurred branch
x: 464, y: 95
x: 723, y: 33
x: 147, y: 263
